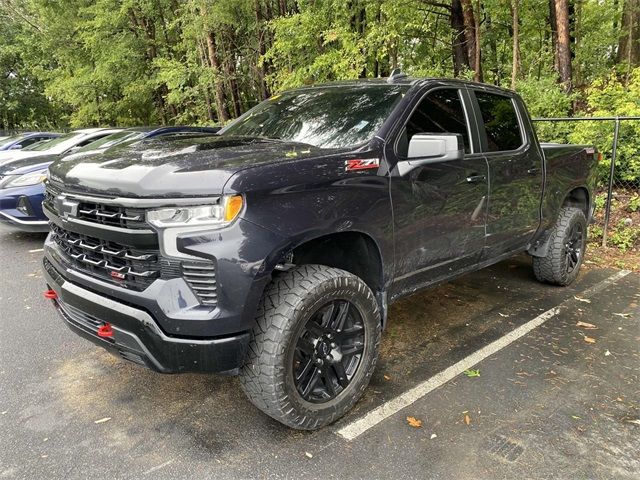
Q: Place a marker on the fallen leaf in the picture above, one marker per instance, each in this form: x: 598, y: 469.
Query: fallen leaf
x: 433, y: 435
x: 585, y: 300
x: 102, y: 420
x: 414, y: 422
x: 607, y: 353
x: 588, y: 326
x: 503, y: 314
x: 623, y: 315
x: 467, y: 419
x: 575, y: 417
x: 387, y: 377
x: 472, y: 373
x: 635, y: 421
x: 589, y: 339
x: 308, y: 454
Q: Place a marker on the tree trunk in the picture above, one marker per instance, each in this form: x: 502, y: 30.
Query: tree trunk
x: 472, y: 35
x: 515, y: 58
x: 262, y: 50
x: 564, y: 44
x: 214, y: 61
x: 458, y: 40
x: 629, y: 41
x: 554, y: 33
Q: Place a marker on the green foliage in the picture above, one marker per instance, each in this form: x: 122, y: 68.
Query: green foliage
x: 600, y: 201
x: 609, y: 96
x: 133, y: 62
x: 624, y: 237
x: 634, y: 204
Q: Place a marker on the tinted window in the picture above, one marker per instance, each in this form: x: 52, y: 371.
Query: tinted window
x: 30, y: 141
x: 326, y: 117
x: 500, y: 122
x: 440, y: 111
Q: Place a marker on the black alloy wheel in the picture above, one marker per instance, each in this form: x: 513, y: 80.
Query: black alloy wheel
x: 573, y: 247
x: 328, y: 351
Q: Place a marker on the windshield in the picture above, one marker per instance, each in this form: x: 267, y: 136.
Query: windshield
x: 326, y: 117
x: 57, y: 145
x: 7, y: 140
x: 110, y: 141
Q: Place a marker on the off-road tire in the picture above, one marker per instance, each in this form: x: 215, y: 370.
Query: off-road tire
x: 288, y: 302
x: 553, y: 268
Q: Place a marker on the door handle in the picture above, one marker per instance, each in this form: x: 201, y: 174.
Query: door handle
x: 476, y: 178
x: 533, y: 170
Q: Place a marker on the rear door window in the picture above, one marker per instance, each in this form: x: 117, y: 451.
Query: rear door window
x: 500, y: 121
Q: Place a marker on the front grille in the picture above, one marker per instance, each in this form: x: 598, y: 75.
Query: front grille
x: 124, y: 265
x: 120, y: 264
x: 103, y: 213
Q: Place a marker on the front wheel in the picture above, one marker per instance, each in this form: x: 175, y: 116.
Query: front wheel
x: 314, y: 346
x: 567, y: 244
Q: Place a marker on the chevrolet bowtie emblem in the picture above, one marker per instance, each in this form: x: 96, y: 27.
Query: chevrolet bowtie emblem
x: 66, y: 208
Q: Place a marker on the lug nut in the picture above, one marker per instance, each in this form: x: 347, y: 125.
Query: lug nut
x: 329, y: 357
x: 333, y: 345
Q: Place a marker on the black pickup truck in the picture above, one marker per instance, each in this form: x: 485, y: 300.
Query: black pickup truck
x: 273, y: 249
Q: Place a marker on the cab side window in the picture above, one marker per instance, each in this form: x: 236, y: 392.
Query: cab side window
x: 500, y: 122
x: 441, y: 111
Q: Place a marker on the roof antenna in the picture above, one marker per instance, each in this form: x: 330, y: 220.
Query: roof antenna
x: 395, y: 75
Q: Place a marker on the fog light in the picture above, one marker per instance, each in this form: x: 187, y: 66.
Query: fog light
x: 24, y: 207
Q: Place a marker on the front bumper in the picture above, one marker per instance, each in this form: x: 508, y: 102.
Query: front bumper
x: 137, y: 337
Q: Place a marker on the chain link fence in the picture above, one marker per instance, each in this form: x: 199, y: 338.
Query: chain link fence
x: 617, y: 216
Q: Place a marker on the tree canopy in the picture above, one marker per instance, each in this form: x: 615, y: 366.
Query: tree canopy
x: 134, y: 62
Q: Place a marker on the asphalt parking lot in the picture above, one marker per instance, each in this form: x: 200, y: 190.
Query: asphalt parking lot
x: 554, y: 399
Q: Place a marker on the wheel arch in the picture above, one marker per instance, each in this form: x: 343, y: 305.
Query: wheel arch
x: 353, y: 251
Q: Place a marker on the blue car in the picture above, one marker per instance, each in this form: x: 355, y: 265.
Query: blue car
x: 21, y: 181
x: 22, y: 140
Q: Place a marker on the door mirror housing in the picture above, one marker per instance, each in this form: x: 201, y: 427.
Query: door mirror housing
x: 426, y: 148
x: 17, y: 146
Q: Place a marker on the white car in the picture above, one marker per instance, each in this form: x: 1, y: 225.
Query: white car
x: 58, y: 146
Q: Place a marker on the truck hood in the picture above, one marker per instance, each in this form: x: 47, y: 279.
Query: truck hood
x: 172, y: 166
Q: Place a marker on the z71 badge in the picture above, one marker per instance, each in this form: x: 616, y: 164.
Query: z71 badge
x: 361, y: 164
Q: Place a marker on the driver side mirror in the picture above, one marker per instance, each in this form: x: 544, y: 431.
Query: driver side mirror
x: 426, y: 148
x: 17, y: 146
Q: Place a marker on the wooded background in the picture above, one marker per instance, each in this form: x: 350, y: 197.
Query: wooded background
x: 78, y: 63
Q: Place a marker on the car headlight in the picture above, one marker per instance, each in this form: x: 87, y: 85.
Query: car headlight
x: 175, y: 221
x: 205, y: 216
x: 25, y: 180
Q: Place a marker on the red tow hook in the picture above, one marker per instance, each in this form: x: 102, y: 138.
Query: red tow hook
x: 50, y: 294
x: 105, y: 331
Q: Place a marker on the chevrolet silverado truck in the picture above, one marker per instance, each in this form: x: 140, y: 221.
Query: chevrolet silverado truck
x: 273, y: 249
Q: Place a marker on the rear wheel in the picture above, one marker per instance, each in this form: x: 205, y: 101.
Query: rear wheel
x: 567, y: 244
x: 314, y: 347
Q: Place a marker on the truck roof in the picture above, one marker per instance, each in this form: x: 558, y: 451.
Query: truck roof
x: 407, y: 81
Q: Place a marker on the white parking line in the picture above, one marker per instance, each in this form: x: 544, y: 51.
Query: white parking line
x: 378, y: 414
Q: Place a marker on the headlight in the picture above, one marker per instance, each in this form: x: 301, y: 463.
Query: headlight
x: 172, y: 222
x: 210, y: 215
x: 25, y: 180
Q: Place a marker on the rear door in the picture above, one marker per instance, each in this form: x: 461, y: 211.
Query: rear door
x: 439, y: 209
x: 515, y: 172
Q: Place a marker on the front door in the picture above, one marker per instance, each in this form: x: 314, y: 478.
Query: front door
x: 439, y: 209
